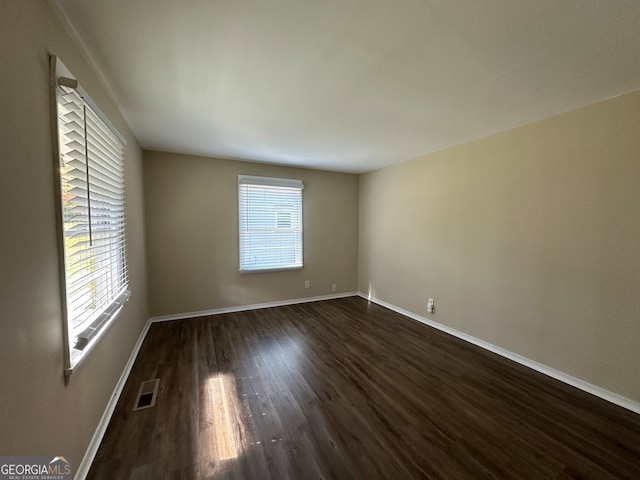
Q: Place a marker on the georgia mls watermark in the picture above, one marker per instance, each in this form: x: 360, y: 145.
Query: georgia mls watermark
x: 35, y: 468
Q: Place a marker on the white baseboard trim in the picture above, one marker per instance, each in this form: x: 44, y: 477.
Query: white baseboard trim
x: 242, y: 308
x: 94, y: 444
x: 551, y: 372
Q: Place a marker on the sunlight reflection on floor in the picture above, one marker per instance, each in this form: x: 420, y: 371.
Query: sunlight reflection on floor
x: 228, y: 424
x: 225, y: 418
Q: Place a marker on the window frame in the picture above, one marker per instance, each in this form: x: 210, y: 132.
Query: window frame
x: 80, y: 341
x: 292, y: 214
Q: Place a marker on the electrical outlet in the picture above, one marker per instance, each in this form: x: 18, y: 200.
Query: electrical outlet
x: 334, y: 287
x: 431, y: 308
x: 307, y: 284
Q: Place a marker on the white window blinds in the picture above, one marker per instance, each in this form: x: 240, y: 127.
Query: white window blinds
x: 270, y: 219
x: 93, y: 217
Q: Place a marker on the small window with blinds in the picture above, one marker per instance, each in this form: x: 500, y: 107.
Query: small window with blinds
x: 90, y: 167
x: 270, y: 219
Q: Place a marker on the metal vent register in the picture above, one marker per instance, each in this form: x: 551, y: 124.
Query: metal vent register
x: 147, y: 394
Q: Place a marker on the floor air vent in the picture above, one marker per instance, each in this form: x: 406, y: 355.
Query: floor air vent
x: 147, y: 394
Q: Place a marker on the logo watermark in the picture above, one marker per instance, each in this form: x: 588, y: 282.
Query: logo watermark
x: 35, y: 468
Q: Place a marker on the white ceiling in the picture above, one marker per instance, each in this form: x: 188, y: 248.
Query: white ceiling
x: 351, y: 85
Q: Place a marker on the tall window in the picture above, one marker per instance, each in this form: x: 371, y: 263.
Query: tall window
x: 270, y: 218
x: 91, y: 172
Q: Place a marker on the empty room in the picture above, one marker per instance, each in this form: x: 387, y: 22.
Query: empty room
x: 358, y: 239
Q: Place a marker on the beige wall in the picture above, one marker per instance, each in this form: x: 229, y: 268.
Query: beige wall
x: 38, y: 414
x: 529, y: 240
x: 192, y: 234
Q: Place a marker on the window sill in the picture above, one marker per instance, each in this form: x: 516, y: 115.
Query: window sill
x: 270, y: 270
x: 78, y: 356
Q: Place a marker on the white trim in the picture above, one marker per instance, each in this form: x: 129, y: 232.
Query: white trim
x: 270, y: 270
x: 255, y: 306
x: 551, y: 372
x: 270, y: 181
x: 94, y: 444
x: 79, y: 357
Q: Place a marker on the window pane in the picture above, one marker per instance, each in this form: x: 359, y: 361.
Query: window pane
x: 270, y: 219
x: 92, y: 189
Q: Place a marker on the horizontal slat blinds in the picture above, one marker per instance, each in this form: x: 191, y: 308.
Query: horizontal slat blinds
x: 92, y: 188
x: 270, y: 220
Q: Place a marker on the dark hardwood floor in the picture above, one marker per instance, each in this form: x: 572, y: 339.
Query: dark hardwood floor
x: 344, y: 389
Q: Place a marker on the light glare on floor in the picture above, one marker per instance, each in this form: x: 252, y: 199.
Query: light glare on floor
x: 225, y: 416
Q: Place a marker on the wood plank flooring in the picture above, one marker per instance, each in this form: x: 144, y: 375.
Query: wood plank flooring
x: 344, y: 389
